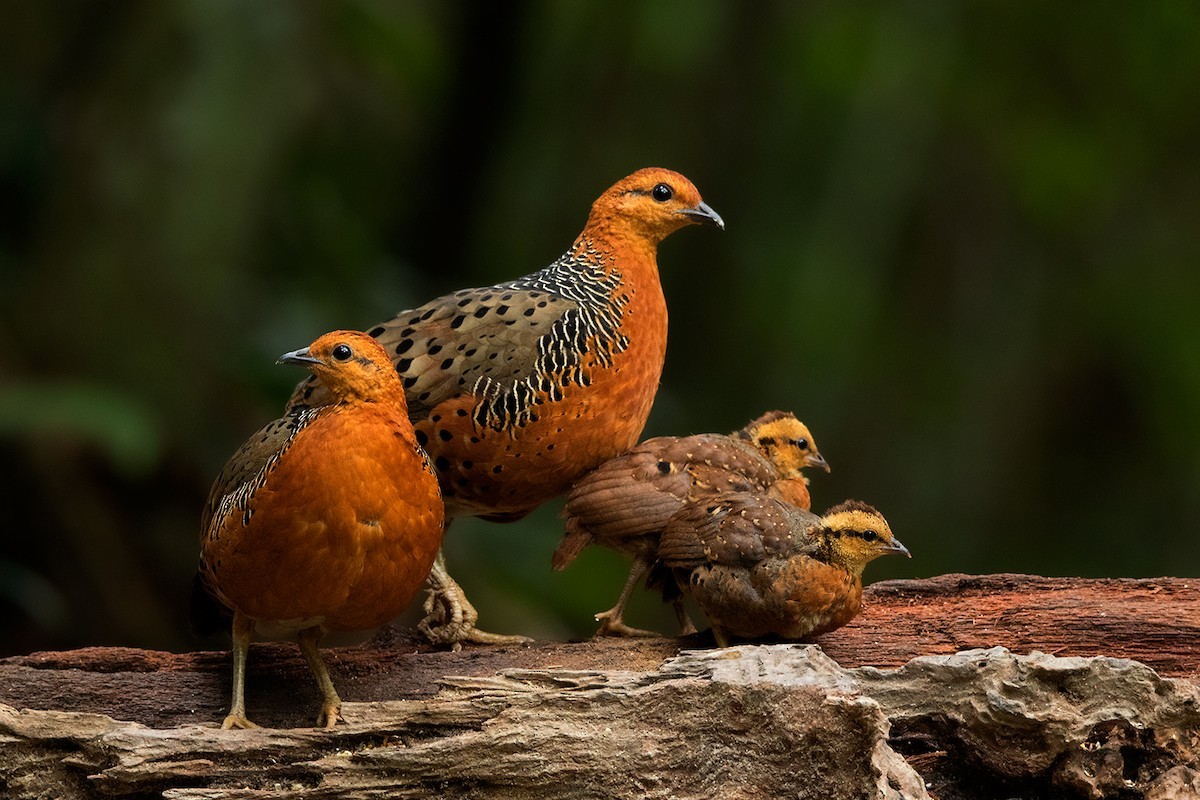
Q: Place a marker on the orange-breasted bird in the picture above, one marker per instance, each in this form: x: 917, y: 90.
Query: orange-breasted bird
x: 761, y: 567
x: 325, y: 520
x: 626, y: 503
x: 518, y: 389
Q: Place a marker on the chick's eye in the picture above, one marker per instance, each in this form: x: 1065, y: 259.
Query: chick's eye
x: 662, y: 193
x: 870, y: 536
x: 342, y: 352
x: 802, y: 444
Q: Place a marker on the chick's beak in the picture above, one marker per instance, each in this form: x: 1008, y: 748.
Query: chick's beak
x: 300, y: 357
x: 817, y: 461
x: 897, y: 547
x: 704, y: 215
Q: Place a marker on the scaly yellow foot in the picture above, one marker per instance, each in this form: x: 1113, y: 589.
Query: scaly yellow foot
x: 331, y: 704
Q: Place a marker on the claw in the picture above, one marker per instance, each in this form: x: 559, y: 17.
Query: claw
x: 330, y: 716
x: 450, y: 617
x: 237, y: 721
x: 611, y: 625
x: 686, y: 626
x: 331, y: 703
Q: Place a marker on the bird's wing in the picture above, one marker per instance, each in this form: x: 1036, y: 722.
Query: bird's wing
x: 246, y: 470
x: 476, y: 342
x: 738, y: 529
x: 722, y: 464
x: 504, y: 344
x: 630, y: 495
x: 637, y: 493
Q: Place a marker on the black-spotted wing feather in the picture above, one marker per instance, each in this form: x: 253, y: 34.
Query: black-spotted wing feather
x: 504, y: 344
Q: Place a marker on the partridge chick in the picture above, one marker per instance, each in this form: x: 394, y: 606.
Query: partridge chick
x: 760, y: 567
x: 325, y: 520
x: 518, y: 389
x: 626, y: 503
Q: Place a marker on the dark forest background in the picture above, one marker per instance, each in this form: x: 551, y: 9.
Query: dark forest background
x: 963, y: 244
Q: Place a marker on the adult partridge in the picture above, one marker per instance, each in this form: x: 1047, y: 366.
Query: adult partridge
x: 761, y: 567
x: 325, y: 520
x: 626, y: 503
x: 518, y: 389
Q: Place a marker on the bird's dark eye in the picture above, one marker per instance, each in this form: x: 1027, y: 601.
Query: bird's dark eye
x: 662, y: 193
x: 342, y: 352
x: 802, y: 444
x: 869, y: 536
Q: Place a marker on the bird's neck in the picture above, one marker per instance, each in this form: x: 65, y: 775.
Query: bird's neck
x: 609, y: 235
x: 384, y: 394
x: 830, y: 554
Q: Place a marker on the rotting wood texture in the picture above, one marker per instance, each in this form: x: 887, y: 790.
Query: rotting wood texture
x: 635, y: 719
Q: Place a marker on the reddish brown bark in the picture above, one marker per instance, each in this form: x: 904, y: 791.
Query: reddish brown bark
x: 1156, y: 621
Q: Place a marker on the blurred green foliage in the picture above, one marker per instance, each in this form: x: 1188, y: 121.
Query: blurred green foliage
x: 963, y: 245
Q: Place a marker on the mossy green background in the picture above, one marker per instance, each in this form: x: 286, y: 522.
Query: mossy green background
x: 963, y: 244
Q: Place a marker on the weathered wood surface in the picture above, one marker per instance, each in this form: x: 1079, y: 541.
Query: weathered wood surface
x: 749, y: 722
x: 1155, y: 621
x: 636, y: 719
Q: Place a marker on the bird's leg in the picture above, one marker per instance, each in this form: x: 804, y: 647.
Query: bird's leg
x: 331, y: 704
x: 686, y: 626
x: 450, y: 617
x: 242, y: 628
x: 440, y: 611
x: 720, y: 636
x: 611, y: 621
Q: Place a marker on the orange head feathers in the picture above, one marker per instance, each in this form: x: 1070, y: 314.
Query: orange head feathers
x: 652, y: 203
x: 353, y: 366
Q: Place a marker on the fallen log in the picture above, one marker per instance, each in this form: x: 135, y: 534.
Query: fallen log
x: 648, y: 718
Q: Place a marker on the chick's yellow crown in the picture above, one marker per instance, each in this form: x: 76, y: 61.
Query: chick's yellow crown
x: 786, y: 441
x: 858, y: 534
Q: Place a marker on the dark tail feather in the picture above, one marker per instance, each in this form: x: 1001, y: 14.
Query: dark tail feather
x: 206, y: 615
x: 573, y: 542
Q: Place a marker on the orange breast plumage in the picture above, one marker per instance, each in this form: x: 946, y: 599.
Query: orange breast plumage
x: 328, y: 519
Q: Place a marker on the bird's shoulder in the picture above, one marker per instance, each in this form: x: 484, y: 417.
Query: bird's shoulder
x: 248, y: 467
x: 718, y: 462
x: 704, y: 451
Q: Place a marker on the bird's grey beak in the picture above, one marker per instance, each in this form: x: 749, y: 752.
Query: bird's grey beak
x: 704, y: 215
x: 897, y: 547
x: 300, y: 357
x: 816, y: 460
